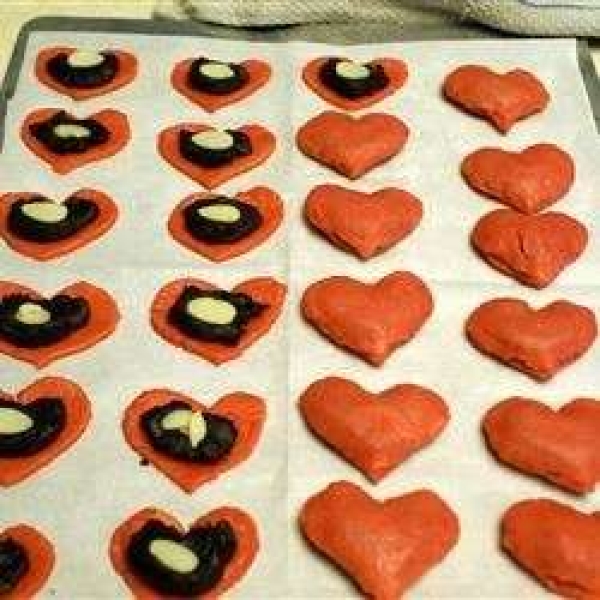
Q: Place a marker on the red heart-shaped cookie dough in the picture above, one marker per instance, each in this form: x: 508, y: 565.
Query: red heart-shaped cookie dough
x: 261, y: 139
x: 502, y: 99
x: 352, y: 145
x: 263, y: 290
x: 533, y: 249
x: 560, y: 446
x: 247, y: 547
x: 113, y: 120
x: 537, y: 342
x: 259, y: 73
x: 104, y: 316
x: 375, y: 432
x: 395, y: 69
x: 265, y: 200
x: 126, y: 73
x: 78, y: 414
x: 528, y: 181
x: 107, y: 215
x: 247, y: 413
x: 385, y: 547
x: 40, y: 554
x: 365, y: 224
x: 370, y: 320
x: 557, y: 544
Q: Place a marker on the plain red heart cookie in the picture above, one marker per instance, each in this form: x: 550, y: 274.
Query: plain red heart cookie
x: 395, y: 69
x: 262, y: 290
x: 533, y: 249
x: 114, y: 121
x: 247, y: 546
x: 245, y: 411
x: 105, y: 219
x: 364, y: 224
x: 557, y: 544
x: 560, y: 446
x: 262, y: 142
x: 537, y: 342
x: 352, y: 145
x: 375, y: 432
x: 501, y: 98
x: 368, y: 319
x: 126, y: 73
x: 385, y: 547
x: 265, y: 200
x: 40, y: 554
x: 528, y: 181
x: 103, y: 319
x: 78, y: 414
x: 258, y: 73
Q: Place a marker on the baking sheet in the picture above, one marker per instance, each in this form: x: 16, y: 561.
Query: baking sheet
x: 81, y: 498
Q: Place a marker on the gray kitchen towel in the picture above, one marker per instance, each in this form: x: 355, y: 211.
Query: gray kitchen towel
x: 527, y: 17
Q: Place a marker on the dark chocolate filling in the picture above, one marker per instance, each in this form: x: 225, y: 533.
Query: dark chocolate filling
x: 214, y: 545
x: 206, y: 157
x: 48, y: 416
x: 221, y: 435
x: 228, y: 334
x: 81, y: 212
x: 353, y: 88
x: 44, y: 132
x: 219, y: 87
x: 220, y: 232
x: 67, y: 314
x: 95, y: 76
x: 14, y: 564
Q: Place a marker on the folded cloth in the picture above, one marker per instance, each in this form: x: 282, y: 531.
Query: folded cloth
x: 528, y: 17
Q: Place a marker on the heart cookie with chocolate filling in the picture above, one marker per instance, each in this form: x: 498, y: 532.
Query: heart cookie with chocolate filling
x: 213, y: 156
x: 67, y: 143
x: 157, y: 558
x: 527, y: 181
x: 351, y: 85
x: 38, y: 424
x: 41, y: 330
x: 557, y: 544
x: 43, y: 229
x: 365, y: 224
x: 385, y: 547
x: 220, y: 228
x: 352, y: 146
x: 213, y: 84
x: 212, y: 323
x: 190, y: 442
x: 501, y: 98
x: 82, y: 74
x: 537, y: 342
x: 27, y: 559
x: 375, y: 432
x: 533, y: 249
x: 560, y: 446
x: 368, y: 319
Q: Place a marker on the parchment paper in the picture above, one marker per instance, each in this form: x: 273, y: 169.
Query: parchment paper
x: 87, y: 492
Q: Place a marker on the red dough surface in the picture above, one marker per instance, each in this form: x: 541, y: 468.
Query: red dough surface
x: 106, y: 218
x: 375, y: 432
x: 395, y: 69
x: 502, y: 99
x: 364, y: 224
x: 247, y: 412
x: 128, y: 68
x: 538, y: 342
x: 385, y: 547
x: 352, y: 146
x: 369, y: 319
